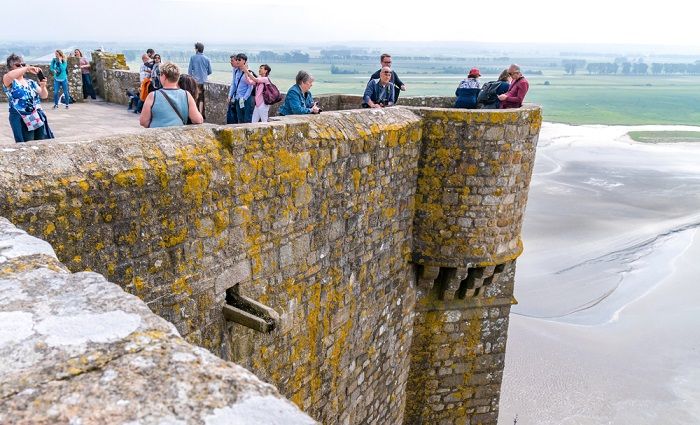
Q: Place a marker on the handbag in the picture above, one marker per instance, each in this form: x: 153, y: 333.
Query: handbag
x: 271, y: 93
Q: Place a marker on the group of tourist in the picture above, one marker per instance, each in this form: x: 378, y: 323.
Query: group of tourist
x: 167, y: 98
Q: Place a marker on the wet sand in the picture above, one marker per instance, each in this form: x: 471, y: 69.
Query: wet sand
x: 607, y: 330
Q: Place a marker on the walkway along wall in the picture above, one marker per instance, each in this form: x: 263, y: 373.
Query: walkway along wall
x: 351, y: 225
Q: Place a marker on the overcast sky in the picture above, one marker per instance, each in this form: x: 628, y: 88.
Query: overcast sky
x: 667, y: 22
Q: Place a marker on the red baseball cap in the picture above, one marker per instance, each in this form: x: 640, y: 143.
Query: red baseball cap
x: 475, y: 71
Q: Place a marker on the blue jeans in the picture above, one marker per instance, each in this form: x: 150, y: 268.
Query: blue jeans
x: 238, y: 115
x: 88, y: 90
x: 60, y: 84
x: 19, y: 129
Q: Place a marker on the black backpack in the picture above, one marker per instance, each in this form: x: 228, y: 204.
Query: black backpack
x: 488, y: 93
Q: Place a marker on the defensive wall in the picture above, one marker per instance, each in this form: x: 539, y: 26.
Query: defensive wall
x: 362, y: 261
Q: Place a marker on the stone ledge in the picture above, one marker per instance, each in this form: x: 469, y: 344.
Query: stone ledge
x: 78, y: 349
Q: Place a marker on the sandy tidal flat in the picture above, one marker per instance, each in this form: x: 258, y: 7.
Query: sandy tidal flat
x: 607, y: 330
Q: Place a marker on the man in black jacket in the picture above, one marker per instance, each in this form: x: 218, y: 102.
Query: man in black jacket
x: 385, y: 60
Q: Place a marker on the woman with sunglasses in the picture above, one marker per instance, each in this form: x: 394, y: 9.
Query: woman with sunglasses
x: 27, y: 120
x: 155, y: 74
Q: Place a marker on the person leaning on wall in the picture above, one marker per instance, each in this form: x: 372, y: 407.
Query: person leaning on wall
x: 88, y: 89
x: 27, y: 119
x: 299, y: 100
x: 385, y: 60
x: 380, y: 92
x: 170, y: 106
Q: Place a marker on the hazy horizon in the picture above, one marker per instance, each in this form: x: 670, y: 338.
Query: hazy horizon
x: 534, y: 24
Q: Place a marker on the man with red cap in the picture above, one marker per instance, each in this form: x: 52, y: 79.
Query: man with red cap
x: 468, y: 90
x: 515, y: 96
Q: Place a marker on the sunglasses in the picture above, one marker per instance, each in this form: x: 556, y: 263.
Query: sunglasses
x: 20, y: 65
x: 386, y: 73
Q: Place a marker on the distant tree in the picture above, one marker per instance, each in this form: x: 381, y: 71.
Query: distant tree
x: 570, y: 65
x: 657, y: 68
x: 626, y: 68
x: 640, y: 68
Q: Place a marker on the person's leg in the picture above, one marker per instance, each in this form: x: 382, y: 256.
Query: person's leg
x: 66, y: 92
x: 85, y: 89
x: 19, y: 130
x: 231, y: 113
x: 200, y: 99
x: 256, y: 114
x: 240, y: 113
x: 264, y: 112
x: 56, y: 86
x: 248, y: 109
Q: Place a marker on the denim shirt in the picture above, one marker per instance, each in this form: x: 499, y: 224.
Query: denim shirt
x: 240, y: 88
x: 199, y: 68
x: 296, y: 103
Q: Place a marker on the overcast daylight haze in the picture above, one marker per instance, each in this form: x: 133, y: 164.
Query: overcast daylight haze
x: 669, y: 23
x: 603, y: 327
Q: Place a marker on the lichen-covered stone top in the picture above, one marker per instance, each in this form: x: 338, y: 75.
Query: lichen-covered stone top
x: 76, y: 348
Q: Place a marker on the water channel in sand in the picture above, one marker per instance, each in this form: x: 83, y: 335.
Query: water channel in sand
x: 607, y: 329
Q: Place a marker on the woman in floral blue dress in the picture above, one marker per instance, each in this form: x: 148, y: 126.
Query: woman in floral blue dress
x: 59, y: 68
x: 27, y: 120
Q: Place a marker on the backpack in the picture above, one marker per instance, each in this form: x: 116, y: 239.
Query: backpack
x: 488, y: 93
x: 271, y: 94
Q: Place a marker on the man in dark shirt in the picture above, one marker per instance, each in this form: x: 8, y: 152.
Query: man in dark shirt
x: 519, y: 86
x: 385, y: 60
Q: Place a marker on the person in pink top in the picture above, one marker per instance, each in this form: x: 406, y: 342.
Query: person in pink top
x: 261, y: 110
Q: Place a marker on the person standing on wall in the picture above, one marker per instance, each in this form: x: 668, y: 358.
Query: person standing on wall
x: 27, y: 120
x: 380, y: 92
x: 261, y: 111
x: 240, y: 101
x: 385, y: 60
x: 200, y: 69
x: 170, y: 106
x: 59, y: 67
x: 88, y: 89
x: 518, y: 89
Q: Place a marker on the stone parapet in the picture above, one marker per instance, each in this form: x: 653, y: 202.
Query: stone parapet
x: 75, y: 348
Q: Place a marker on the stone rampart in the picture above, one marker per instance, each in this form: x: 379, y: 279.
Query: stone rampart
x: 381, y: 241
x: 77, y: 349
x: 75, y: 81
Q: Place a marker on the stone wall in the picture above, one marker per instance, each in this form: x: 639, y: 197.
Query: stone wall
x: 75, y: 81
x: 319, y: 218
x: 77, y: 349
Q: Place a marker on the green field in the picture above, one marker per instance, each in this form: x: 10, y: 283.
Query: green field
x: 578, y: 99
x: 665, y: 136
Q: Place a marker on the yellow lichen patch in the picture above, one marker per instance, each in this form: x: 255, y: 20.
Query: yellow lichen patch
x: 180, y: 286
x: 221, y: 221
x: 139, y: 284
x: 356, y: 175
x: 49, y: 229
x: 133, y: 177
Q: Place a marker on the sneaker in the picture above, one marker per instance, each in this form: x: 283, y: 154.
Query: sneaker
x: 55, y: 106
x: 66, y: 106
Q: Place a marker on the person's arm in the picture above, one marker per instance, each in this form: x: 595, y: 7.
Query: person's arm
x: 230, y: 90
x: 190, y: 67
x: 209, y: 71
x: 398, y: 81
x: 518, y: 95
x: 297, y: 104
x: 369, y: 90
x: 145, y: 118
x: 43, y: 92
x: 194, y: 114
x: 13, y: 75
x: 249, y: 77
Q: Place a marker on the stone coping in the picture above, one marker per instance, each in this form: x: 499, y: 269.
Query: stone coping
x: 76, y: 348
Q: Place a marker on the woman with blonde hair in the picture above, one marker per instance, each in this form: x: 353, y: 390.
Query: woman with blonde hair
x: 59, y: 68
x: 169, y: 106
x: 88, y: 89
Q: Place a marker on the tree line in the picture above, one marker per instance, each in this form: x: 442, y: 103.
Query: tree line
x: 631, y: 68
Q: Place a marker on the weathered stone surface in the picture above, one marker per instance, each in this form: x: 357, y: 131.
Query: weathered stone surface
x: 317, y: 217
x: 77, y: 349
